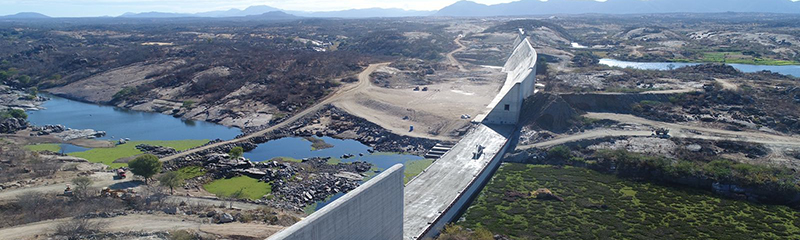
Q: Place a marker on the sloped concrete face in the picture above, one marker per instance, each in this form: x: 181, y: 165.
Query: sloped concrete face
x: 519, y: 85
x: 374, y: 210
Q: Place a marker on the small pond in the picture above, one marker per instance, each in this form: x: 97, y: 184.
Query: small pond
x: 299, y: 148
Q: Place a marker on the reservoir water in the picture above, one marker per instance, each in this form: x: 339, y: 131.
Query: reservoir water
x: 793, y: 70
x: 122, y: 123
x: 299, y: 148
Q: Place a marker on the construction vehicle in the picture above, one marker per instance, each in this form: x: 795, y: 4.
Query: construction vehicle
x: 661, y: 133
x: 477, y: 154
x: 116, y: 193
x: 120, y: 174
x: 68, y: 191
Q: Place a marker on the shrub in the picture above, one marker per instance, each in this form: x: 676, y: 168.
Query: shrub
x: 145, y: 165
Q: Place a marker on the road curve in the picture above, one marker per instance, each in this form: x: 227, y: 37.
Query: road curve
x: 363, y: 82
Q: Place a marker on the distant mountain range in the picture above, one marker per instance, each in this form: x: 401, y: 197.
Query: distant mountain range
x: 517, y: 8
x: 25, y: 15
x: 258, y: 10
x: 537, y: 7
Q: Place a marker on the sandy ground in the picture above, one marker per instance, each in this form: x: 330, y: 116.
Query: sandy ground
x: 436, y: 113
x: 148, y: 223
x: 100, y: 180
x: 778, y: 143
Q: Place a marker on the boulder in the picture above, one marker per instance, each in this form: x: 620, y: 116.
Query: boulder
x: 171, y: 210
x: 546, y: 194
x: 225, y: 218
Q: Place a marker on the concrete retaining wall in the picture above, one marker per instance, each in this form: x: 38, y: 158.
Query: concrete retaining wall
x: 519, y: 85
x: 465, y: 199
x: 374, y: 210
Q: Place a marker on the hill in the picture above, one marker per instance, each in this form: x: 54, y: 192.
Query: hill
x: 25, y: 15
x: 536, y: 7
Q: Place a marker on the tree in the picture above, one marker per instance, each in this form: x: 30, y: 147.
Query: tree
x: 81, y: 185
x: 239, y: 194
x: 585, y: 59
x: 236, y: 152
x: 541, y: 67
x: 171, y: 180
x: 146, y: 166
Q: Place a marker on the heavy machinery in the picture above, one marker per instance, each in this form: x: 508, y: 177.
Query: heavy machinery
x: 120, y: 174
x: 661, y: 133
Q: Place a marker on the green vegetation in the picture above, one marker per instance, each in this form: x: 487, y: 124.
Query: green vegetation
x: 456, y: 232
x: 285, y: 159
x: 146, y: 166
x: 188, y: 104
x: 585, y: 59
x: 735, y: 57
x: 250, y: 188
x: 414, y: 168
x: 779, y: 179
x: 124, y: 94
x: 171, y: 180
x: 53, y: 147
x: 236, y: 152
x: 318, y: 144
x: 191, y: 172
x: 601, y: 206
x: 13, y: 113
x: 334, y: 161
x: 107, y: 156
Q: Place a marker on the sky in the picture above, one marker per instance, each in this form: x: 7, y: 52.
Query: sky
x: 88, y: 8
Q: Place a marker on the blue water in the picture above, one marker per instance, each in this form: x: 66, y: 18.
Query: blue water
x: 299, y: 148
x: 793, y: 70
x: 121, y: 123
x: 69, y: 148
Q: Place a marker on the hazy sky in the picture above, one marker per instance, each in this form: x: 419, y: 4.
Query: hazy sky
x: 80, y: 8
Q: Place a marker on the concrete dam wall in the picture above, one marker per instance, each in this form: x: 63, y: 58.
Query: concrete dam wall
x: 519, y: 85
x: 374, y: 210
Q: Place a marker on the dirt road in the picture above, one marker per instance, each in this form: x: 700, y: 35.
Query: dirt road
x: 146, y: 223
x: 100, y: 180
x: 676, y: 130
x: 452, y: 59
x: 344, y: 91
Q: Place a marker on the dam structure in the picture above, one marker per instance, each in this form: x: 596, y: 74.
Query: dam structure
x: 382, y: 208
x: 445, y: 189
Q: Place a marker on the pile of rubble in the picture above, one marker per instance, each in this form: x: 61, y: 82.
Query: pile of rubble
x: 12, y: 125
x: 65, y: 133
x: 359, y: 129
x: 156, y: 150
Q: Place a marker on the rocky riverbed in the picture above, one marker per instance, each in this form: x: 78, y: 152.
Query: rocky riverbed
x: 295, y: 185
x: 18, y: 99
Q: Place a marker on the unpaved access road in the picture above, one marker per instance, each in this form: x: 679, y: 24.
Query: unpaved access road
x: 452, y: 59
x: 145, y: 223
x: 100, y: 180
x: 344, y: 91
x: 676, y: 130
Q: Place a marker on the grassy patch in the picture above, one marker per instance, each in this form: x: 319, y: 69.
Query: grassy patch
x: 334, y: 161
x: 414, y: 168
x: 285, y: 159
x: 191, y: 172
x: 318, y: 144
x: 601, y: 206
x: 252, y: 188
x: 44, y: 147
x: 108, y: 155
